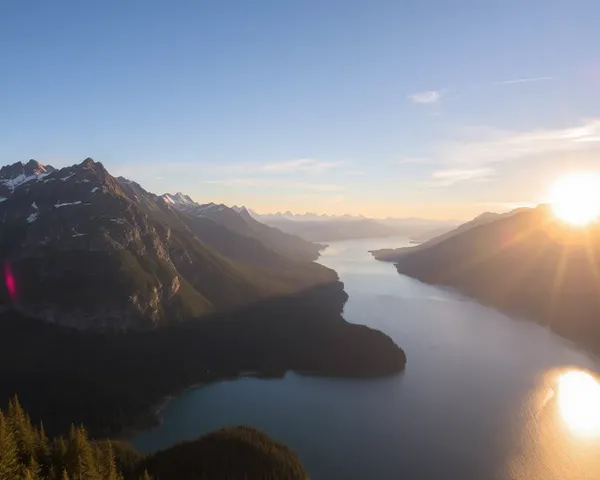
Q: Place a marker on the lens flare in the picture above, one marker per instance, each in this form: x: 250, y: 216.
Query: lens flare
x: 9, y: 280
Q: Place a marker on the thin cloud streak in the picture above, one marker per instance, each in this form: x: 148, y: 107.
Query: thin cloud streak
x: 523, y: 80
x: 297, y: 165
x: 503, y: 146
x: 445, y: 178
x: 479, y: 160
x: 276, y: 184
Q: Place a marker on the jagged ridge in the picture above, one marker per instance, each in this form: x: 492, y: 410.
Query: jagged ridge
x: 89, y: 250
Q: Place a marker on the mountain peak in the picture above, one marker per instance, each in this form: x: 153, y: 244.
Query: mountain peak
x: 183, y: 198
x: 32, y: 167
x: 12, y: 176
x: 178, y: 199
x: 89, y: 163
x: 33, y: 164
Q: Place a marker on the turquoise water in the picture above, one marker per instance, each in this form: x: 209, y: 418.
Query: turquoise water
x: 481, y: 397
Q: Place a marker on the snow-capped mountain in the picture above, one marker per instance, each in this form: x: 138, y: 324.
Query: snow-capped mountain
x: 86, y: 249
x: 178, y: 199
x: 238, y: 220
x: 12, y: 176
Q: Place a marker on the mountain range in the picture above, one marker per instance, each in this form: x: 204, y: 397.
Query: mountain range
x: 240, y: 221
x: 114, y: 297
x: 525, y: 262
x: 85, y: 249
x: 324, y: 228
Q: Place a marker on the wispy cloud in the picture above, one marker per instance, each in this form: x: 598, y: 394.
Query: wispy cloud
x: 311, y: 165
x: 427, y: 97
x: 523, y: 80
x: 444, y: 178
x: 276, y: 184
x: 297, y: 165
x: 354, y: 172
x: 486, y: 150
x: 501, y: 146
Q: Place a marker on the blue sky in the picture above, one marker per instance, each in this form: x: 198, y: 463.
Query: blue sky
x: 386, y: 108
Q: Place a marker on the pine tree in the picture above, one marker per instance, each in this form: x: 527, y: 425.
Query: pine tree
x: 9, y: 458
x: 42, y: 441
x: 81, y: 460
x: 108, y: 466
x: 65, y: 475
x: 42, y: 452
x: 59, y: 456
x: 23, y: 431
x: 33, y: 470
x: 145, y: 476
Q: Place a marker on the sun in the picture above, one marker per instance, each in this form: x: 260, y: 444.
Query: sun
x: 575, y: 198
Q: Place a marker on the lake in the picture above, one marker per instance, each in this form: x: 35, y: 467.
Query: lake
x: 484, y: 396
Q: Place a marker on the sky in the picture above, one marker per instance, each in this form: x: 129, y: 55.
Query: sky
x: 431, y: 108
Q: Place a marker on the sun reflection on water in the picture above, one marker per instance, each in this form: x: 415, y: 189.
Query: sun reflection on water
x: 578, y: 399
x: 560, y: 429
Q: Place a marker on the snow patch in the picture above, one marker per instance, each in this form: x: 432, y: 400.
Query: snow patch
x: 95, y: 189
x: 33, y: 217
x: 18, y: 180
x: 78, y: 235
x: 67, y: 177
x: 34, y: 205
x: 3, y: 199
x: 58, y: 205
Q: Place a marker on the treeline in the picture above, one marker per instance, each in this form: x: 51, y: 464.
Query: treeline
x: 243, y: 453
x: 26, y: 453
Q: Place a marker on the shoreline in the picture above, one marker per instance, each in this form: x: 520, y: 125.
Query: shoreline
x: 152, y: 417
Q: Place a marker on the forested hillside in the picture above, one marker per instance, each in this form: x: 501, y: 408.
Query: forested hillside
x: 27, y: 453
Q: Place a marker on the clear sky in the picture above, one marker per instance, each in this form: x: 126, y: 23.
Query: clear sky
x: 438, y: 108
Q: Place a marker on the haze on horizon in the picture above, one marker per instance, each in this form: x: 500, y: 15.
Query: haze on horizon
x: 405, y: 109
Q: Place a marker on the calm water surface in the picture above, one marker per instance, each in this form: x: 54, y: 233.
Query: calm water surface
x: 484, y: 396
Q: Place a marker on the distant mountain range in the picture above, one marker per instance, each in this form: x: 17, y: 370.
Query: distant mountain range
x: 525, y: 262
x: 324, y: 228
x: 309, y: 216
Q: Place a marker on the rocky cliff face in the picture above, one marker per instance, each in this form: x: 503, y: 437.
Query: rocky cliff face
x: 238, y: 220
x: 84, y: 249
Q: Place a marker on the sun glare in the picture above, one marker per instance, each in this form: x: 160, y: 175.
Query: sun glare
x: 575, y: 198
x: 578, y: 396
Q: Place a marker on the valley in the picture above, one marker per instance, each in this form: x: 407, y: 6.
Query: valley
x: 114, y: 298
